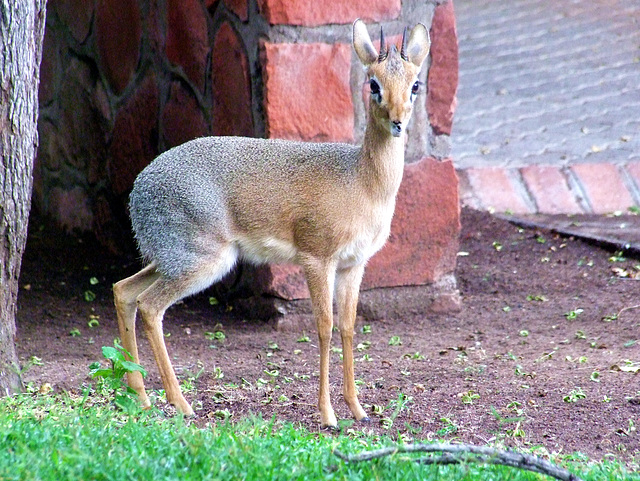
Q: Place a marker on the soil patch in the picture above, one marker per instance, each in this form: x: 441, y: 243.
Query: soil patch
x: 543, y: 352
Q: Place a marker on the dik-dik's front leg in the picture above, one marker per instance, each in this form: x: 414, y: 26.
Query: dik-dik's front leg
x: 347, y: 289
x: 320, y: 279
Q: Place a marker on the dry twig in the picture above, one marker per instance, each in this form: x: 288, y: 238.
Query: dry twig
x: 627, y: 309
x: 464, y: 453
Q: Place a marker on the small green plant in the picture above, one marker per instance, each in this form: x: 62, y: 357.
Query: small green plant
x: 111, y: 377
x: 469, y: 397
x: 395, y: 341
x: 537, y: 298
x: 617, y: 257
x: 572, y: 315
x: 497, y: 246
x: 303, y: 338
x: 450, y: 427
x: 75, y: 332
x: 273, y: 374
x: 398, y: 405
x: 516, y: 431
x: 215, y: 336
x: 415, y: 356
x: 189, y: 384
x: 363, y: 346
x: 366, y: 329
x: 520, y: 372
x: 33, y: 361
x: 574, y: 395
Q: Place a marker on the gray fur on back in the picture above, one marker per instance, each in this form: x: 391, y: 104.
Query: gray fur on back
x: 184, y: 195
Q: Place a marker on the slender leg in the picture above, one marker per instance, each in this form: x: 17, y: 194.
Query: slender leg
x: 152, y: 303
x: 320, y: 279
x: 347, y: 289
x: 125, y: 294
x: 162, y: 293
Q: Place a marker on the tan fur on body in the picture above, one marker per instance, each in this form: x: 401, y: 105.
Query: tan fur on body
x: 201, y: 206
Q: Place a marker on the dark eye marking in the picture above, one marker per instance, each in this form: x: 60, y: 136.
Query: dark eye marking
x: 375, y: 87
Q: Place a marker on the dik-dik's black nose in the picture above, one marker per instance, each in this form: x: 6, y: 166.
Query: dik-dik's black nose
x: 396, y: 127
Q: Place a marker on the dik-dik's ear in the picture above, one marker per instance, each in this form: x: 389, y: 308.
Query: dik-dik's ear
x: 416, y: 49
x: 365, y: 50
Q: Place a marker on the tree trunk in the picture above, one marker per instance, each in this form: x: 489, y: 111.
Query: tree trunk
x: 21, y: 33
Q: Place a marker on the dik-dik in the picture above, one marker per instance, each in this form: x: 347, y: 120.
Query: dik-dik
x: 200, y: 207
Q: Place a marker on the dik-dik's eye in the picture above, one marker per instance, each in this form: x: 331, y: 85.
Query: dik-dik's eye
x: 375, y: 89
x: 415, y: 89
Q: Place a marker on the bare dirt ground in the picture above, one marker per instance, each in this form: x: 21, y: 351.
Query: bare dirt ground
x: 545, y: 351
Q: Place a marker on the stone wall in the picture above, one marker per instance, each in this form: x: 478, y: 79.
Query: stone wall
x: 123, y: 81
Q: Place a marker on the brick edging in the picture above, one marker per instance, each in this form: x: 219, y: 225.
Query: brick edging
x: 598, y: 188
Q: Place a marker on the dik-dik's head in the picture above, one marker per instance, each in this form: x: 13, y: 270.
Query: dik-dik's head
x: 392, y: 75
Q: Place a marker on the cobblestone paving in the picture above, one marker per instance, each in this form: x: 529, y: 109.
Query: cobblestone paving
x: 545, y: 82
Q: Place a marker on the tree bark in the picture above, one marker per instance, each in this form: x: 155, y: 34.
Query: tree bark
x: 21, y: 33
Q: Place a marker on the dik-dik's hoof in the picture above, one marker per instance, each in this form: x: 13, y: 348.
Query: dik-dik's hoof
x: 331, y: 429
x: 365, y: 420
x: 183, y: 407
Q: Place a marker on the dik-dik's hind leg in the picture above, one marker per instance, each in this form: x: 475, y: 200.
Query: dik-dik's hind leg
x: 320, y: 279
x: 153, y: 303
x: 157, y: 298
x: 125, y: 294
x: 347, y: 289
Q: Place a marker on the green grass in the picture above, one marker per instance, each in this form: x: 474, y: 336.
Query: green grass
x: 66, y: 437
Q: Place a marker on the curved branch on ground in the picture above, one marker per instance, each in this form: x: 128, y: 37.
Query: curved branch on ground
x: 461, y: 453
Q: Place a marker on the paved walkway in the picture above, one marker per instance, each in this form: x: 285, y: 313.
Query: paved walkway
x: 548, y: 116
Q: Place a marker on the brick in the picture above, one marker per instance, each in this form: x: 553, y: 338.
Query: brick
x: 119, y: 54
x: 71, y: 208
x: 49, y: 68
x: 494, y: 187
x: 77, y: 136
x: 182, y: 118
x: 550, y: 190
x: 187, y: 38
x: 239, y: 7
x: 155, y: 28
x: 633, y: 169
x: 313, y: 13
x: 423, y: 243
x: 604, y: 187
x: 307, y: 92
x: 134, y: 137
x: 77, y: 16
x: 50, y: 155
x: 286, y: 281
x: 442, y: 82
x: 231, y: 85
x: 109, y: 232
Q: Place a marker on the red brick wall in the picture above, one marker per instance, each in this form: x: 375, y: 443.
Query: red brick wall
x: 123, y: 81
